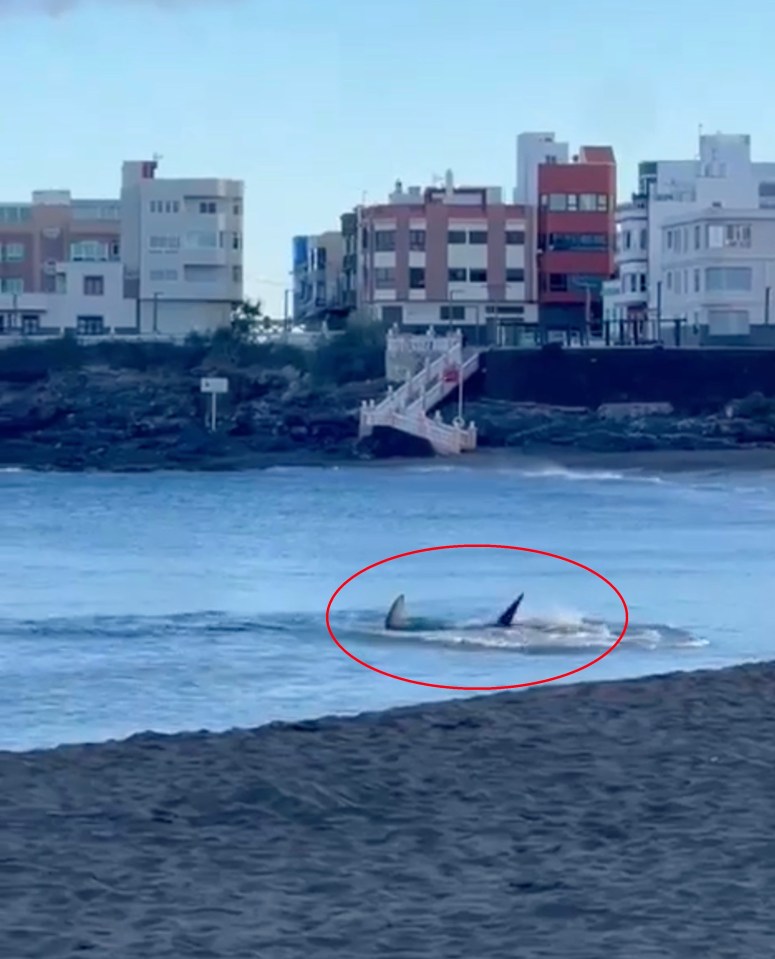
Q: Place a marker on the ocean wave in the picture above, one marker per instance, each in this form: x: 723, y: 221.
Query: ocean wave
x: 540, y: 636
x: 582, y: 475
x: 105, y: 627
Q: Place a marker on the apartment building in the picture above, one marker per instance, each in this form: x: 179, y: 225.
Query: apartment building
x: 454, y: 257
x: 718, y: 270
x: 317, y: 274
x: 181, y: 243
x: 164, y: 258
x: 673, y: 193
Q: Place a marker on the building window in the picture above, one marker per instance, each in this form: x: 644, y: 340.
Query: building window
x: 514, y: 275
x: 697, y: 236
x: 729, y: 322
x: 15, y: 214
x: 572, y: 201
x: 11, y: 284
x: 479, y: 237
x: 728, y: 278
x: 455, y: 237
x: 558, y: 282
x: 644, y: 239
x: 515, y: 237
x: 201, y: 239
x: 558, y: 202
x: 452, y: 313
x: 12, y: 253
x: 208, y: 206
x: 643, y: 283
x: 30, y: 325
x: 416, y: 278
x: 236, y: 242
x: 89, y: 251
x: 94, y: 286
x: 163, y: 276
x: 602, y: 203
x: 588, y: 203
x: 417, y: 239
x: 677, y: 241
x: 392, y: 315
x: 669, y: 239
x: 384, y: 278
x: 477, y: 276
x: 165, y: 206
x: 456, y: 274
x: 697, y: 281
x: 237, y: 209
x: 60, y: 283
x: 715, y: 235
x: 669, y: 280
x: 90, y: 325
x: 164, y: 242
x: 678, y: 287
x: 626, y: 240
x: 578, y: 241
x: 737, y: 234
x: 115, y: 250
x: 384, y: 240
x: 236, y: 274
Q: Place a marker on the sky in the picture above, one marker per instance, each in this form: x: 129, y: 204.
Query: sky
x: 319, y: 105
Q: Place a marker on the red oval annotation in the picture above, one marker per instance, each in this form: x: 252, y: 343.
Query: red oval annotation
x: 432, y: 549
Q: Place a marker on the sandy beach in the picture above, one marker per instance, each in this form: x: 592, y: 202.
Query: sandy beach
x: 630, y: 819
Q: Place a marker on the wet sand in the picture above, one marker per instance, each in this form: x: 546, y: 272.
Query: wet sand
x: 629, y: 820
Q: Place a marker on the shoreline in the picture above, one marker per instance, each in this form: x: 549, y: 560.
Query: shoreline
x: 630, y: 816
x: 753, y: 459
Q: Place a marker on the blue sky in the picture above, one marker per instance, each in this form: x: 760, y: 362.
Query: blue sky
x: 315, y: 103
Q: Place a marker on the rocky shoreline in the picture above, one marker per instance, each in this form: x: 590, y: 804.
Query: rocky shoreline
x: 100, y: 418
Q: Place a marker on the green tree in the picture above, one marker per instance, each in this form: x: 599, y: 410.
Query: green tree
x: 247, y: 321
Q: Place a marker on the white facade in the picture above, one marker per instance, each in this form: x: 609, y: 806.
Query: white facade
x: 722, y: 176
x: 718, y: 270
x: 89, y: 302
x: 174, y: 268
x: 533, y: 150
x: 181, y: 243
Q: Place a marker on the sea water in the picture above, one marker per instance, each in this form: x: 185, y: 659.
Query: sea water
x: 187, y: 601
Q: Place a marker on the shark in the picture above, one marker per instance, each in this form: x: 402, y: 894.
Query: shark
x: 397, y: 618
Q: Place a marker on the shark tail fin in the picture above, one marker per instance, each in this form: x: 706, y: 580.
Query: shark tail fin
x: 396, y: 617
x: 506, y: 618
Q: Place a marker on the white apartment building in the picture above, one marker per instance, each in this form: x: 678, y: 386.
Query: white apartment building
x: 718, y: 270
x: 533, y: 150
x: 722, y: 176
x: 181, y: 249
x: 164, y: 259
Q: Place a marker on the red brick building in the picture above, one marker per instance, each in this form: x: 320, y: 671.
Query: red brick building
x: 576, y: 235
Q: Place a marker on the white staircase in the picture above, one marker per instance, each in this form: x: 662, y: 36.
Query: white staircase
x: 406, y: 408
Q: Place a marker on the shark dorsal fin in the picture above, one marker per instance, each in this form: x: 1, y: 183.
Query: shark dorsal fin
x: 506, y: 618
x: 396, y: 617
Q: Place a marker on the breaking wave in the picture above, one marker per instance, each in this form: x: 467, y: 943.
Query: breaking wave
x: 562, y: 634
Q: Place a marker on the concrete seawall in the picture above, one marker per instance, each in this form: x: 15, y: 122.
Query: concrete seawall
x: 690, y: 379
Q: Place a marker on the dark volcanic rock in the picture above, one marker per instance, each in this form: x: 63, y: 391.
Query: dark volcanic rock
x: 107, y: 418
x: 385, y: 442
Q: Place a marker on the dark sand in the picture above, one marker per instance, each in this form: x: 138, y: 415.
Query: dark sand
x: 598, y: 821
